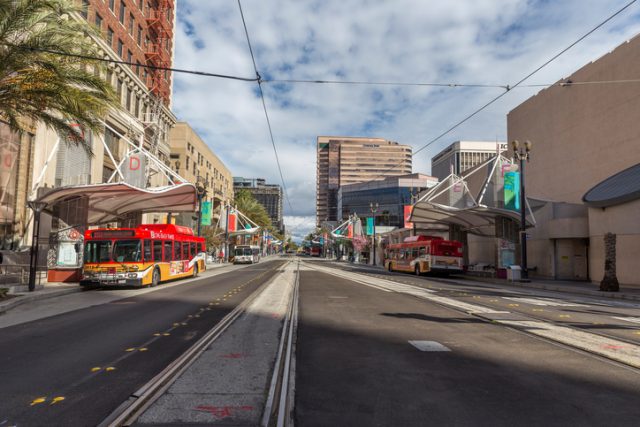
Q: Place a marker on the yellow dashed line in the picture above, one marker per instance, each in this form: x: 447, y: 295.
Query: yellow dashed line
x: 514, y: 305
x: 143, y: 349
x: 537, y: 309
x: 130, y: 349
x: 564, y: 316
x: 38, y: 400
x: 96, y: 369
x: 176, y: 324
x: 166, y: 334
x: 110, y: 368
x: 156, y: 335
x: 184, y: 324
x: 56, y: 400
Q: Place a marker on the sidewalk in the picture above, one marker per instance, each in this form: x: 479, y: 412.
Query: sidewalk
x: 627, y: 292
x: 56, y: 289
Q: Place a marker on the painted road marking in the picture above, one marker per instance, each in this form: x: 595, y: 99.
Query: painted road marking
x: 38, y: 401
x: 629, y: 319
x: 545, y: 302
x: 96, y: 369
x: 56, y: 400
x: 429, y: 345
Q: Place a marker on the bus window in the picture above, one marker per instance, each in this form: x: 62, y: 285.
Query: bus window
x: 177, y: 251
x: 97, y: 251
x: 147, y: 251
x: 157, y: 250
x: 194, y: 250
x: 423, y: 250
x: 401, y: 254
x: 414, y: 253
x: 167, y: 251
x: 126, y: 251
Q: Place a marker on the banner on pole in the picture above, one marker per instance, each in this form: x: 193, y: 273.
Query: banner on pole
x: 370, y: 226
x: 407, y: 214
x: 232, y: 222
x: 206, y: 213
x: 512, y: 191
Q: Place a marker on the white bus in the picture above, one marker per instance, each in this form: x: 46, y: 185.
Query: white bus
x: 246, y: 254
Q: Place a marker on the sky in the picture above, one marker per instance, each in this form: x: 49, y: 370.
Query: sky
x: 469, y: 42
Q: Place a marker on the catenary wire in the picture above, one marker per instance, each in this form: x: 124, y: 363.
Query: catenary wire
x: 116, y: 61
x: 264, y: 107
x: 509, y: 88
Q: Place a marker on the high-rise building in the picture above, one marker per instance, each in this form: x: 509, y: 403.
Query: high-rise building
x: 268, y: 195
x: 349, y: 160
x: 463, y: 155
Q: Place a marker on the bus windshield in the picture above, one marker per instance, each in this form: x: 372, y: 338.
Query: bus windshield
x: 97, y: 251
x: 243, y: 251
x: 126, y: 251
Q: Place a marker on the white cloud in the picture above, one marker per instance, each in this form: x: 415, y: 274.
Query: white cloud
x: 466, y: 41
x: 298, y: 227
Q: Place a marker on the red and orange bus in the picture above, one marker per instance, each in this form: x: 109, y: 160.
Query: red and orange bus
x: 424, y: 254
x: 141, y: 256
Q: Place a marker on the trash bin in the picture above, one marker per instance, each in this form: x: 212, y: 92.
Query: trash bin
x: 513, y: 273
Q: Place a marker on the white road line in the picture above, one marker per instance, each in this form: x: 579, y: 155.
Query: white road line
x: 547, y: 302
x: 629, y: 319
x: 613, y: 349
x: 429, y: 346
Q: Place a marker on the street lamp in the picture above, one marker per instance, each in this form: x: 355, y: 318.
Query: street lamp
x: 521, y: 153
x: 374, y: 208
x: 201, y: 192
x: 37, y: 208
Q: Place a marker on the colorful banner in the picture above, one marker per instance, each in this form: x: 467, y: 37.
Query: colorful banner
x: 512, y: 191
x: 350, y: 231
x: 205, y: 218
x: 370, y: 226
x: 232, y: 222
x: 407, y: 215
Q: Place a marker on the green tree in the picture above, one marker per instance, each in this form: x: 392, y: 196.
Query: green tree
x: 35, y: 83
x: 249, y: 206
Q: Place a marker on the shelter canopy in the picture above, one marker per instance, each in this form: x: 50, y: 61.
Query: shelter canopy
x: 474, y: 201
x: 112, y: 201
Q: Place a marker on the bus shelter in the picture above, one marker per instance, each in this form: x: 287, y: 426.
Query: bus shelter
x: 481, y: 208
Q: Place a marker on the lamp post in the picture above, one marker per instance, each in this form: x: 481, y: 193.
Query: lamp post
x: 521, y: 153
x: 37, y: 208
x: 373, y: 207
x: 201, y: 192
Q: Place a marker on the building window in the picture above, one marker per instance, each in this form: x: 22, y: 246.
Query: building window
x: 131, y: 24
x: 128, y: 94
x: 119, y: 88
x: 109, y: 76
x: 84, y: 11
x: 120, y: 48
x: 112, y: 5
x: 110, y: 36
x: 123, y: 10
x: 129, y: 57
x: 139, y: 35
x: 98, y: 21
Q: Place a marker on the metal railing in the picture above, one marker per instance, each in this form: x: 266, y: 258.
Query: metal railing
x: 18, y: 275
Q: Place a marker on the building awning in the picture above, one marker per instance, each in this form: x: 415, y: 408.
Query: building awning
x: 620, y: 188
x: 111, y: 202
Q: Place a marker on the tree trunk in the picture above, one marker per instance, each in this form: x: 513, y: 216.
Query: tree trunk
x: 609, y: 282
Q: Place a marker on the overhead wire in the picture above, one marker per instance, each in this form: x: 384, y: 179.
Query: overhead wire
x: 508, y: 89
x: 264, y: 107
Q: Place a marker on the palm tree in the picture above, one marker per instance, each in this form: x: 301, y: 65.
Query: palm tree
x: 249, y: 206
x: 40, y: 78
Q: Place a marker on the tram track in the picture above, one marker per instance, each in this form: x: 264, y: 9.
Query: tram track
x: 278, y: 410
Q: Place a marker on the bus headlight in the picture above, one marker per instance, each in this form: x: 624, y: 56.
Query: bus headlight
x: 132, y: 275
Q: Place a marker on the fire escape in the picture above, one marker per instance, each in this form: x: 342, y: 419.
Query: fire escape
x: 159, y: 20
x: 159, y: 17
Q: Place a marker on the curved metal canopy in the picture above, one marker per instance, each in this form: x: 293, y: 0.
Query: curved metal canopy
x: 110, y: 202
x: 473, y: 201
x: 617, y: 189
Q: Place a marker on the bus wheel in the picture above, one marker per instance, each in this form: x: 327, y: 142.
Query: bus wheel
x: 417, y: 269
x: 155, y: 278
x: 195, y: 270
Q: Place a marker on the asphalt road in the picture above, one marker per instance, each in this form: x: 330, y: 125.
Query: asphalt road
x: 604, y: 316
x: 355, y: 365
x: 74, y: 369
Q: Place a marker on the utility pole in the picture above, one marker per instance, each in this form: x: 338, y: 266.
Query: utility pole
x: 521, y: 154
x: 374, y: 208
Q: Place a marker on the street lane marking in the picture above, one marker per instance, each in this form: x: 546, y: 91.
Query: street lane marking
x: 56, y: 400
x: 38, y: 401
x: 550, y: 302
x: 96, y: 369
x: 428, y: 345
x: 629, y: 319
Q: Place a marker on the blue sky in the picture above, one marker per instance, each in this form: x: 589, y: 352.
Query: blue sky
x: 490, y: 42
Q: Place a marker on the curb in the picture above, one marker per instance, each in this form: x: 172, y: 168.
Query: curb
x: 24, y: 298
